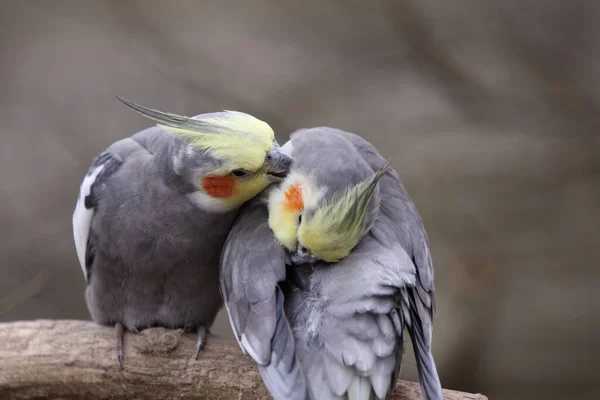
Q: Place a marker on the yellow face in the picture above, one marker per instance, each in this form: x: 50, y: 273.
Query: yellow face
x: 232, y: 189
x: 332, y: 228
x: 286, y: 206
x: 238, y: 141
x: 286, y: 203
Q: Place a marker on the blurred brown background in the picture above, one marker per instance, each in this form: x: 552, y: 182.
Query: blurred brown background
x: 489, y: 110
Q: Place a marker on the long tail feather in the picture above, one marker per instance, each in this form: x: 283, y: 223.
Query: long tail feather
x: 431, y: 388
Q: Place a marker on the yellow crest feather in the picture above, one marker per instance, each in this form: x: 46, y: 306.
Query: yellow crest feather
x: 239, y: 140
x: 337, y: 227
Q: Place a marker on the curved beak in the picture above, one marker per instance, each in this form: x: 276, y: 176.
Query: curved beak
x: 303, y: 256
x: 278, y: 163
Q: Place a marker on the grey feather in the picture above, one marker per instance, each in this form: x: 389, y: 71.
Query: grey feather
x: 252, y: 264
x: 420, y: 334
x: 152, y: 255
x: 360, y: 389
x: 283, y: 375
x: 407, y: 228
x: 383, y: 374
x: 339, y: 376
x: 149, y: 235
x: 347, y: 318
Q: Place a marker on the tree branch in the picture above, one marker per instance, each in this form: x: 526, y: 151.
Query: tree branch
x: 76, y: 359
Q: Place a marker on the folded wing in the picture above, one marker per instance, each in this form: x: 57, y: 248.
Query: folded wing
x: 252, y: 265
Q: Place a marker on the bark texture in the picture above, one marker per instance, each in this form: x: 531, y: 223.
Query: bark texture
x: 76, y: 359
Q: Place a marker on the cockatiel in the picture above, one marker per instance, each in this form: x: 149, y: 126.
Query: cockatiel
x: 154, y: 211
x: 322, y: 272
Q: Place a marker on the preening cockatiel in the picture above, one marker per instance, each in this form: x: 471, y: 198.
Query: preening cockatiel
x: 321, y: 273
x: 154, y: 211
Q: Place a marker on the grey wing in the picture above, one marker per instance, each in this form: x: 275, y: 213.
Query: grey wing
x: 252, y: 264
x: 103, y: 166
x: 351, y: 311
x: 400, y: 222
x: 404, y: 223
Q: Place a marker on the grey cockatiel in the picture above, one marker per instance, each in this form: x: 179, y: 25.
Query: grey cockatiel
x: 329, y: 325
x: 154, y: 211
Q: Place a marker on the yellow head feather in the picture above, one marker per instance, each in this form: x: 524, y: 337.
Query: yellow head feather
x: 336, y: 227
x: 238, y: 140
x: 246, y: 189
x: 286, y: 202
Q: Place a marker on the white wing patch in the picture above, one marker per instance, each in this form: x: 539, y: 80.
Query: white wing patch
x: 82, y: 217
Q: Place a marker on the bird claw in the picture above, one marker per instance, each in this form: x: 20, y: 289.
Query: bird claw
x: 119, y: 333
x: 201, y: 341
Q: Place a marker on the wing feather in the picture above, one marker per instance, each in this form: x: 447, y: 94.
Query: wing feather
x: 396, y: 282
x: 102, y: 167
x: 353, y: 323
x: 252, y: 265
x: 400, y: 222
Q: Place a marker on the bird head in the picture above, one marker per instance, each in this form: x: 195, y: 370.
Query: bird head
x: 312, y: 227
x: 241, y: 155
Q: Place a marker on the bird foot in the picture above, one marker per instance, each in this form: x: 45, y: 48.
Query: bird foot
x: 119, y: 333
x: 202, y: 332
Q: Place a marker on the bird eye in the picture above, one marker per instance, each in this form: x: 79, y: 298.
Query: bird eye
x: 238, y: 172
x: 299, y: 218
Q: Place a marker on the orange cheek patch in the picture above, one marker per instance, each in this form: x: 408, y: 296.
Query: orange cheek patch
x: 219, y: 186
x: 293, y: 201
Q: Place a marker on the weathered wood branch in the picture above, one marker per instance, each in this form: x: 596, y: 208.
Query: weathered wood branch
x: 76, y: 359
